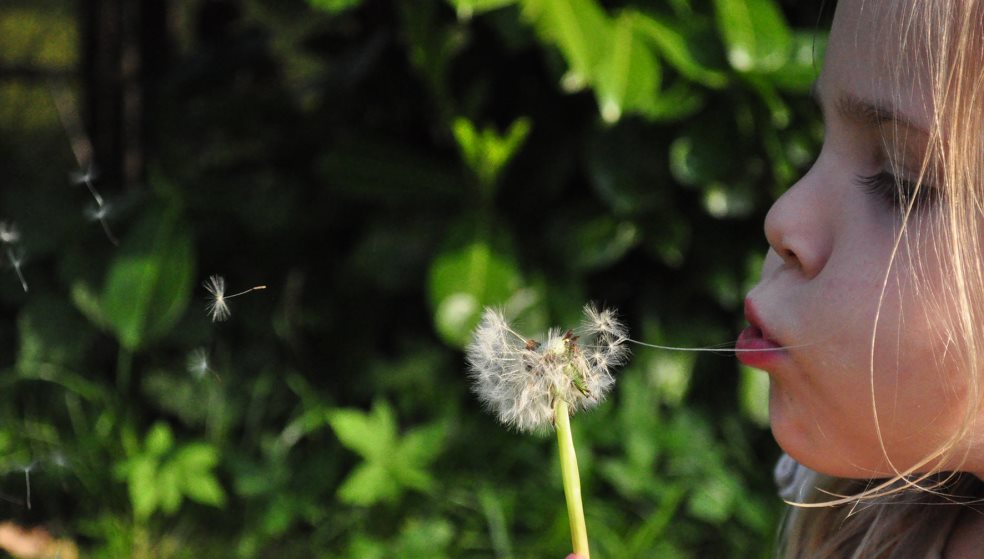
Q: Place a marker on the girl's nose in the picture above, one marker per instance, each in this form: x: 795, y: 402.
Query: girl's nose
x: 797, y: 226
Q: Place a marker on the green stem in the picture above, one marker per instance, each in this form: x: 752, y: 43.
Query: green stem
x: 572, y: 481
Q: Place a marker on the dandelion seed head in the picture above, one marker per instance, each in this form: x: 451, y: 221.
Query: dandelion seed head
x: 217, y: 309
x: 9, y: 234
x: 520, y: 378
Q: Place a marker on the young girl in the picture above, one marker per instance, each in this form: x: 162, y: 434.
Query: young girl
x: 874, y: 285
x: 871, y: 299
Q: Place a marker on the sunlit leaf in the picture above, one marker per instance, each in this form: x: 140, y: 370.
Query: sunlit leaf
x: 755, y: 34
x: 169, y: 481
x: 372, y: 435
x: 486, y: 152
x: 149, y: 283
x: 580, y: 29
x: 687, y: 47
x: 628, y: 74
x: 462, y: 282
x: 469, y: 8
x: 204, y: 488
x: 159, y: 440
x: 142, y: 479
x: 368, y: 484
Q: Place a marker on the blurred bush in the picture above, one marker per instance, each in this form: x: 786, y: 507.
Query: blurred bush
x: 387, y: 169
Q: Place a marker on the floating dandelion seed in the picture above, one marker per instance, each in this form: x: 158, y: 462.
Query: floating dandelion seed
x: 17, y: 260
x: 9, y: 234
x: 520, y: 378
x: 198, y: 362
x: 218, y: 309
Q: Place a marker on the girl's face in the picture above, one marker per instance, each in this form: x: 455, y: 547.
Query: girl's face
x: 847, y: 394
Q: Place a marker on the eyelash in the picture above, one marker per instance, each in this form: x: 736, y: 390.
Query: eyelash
x: 895, y: 191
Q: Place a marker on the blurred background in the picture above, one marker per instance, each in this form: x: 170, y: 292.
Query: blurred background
x: 386, y: 169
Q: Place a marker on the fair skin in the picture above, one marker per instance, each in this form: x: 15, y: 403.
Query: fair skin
x: 848, y: 399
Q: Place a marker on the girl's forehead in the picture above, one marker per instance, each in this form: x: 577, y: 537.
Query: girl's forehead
x: 875, y: 54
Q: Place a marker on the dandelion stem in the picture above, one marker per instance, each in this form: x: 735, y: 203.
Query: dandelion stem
x: 572, y: 481
x: 251, y: 289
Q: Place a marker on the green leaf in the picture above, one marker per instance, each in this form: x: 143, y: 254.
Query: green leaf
x: 203, y: 488
x: 416, y: 450
x: 368, y: 484
x: 150, y: 281
x: 372, y: 435
x: 468, y: 8
x: 755, y: 34
x: 87, y: 301
x: 169, y: 480
x: 753, y: 390
x: 159, y: 440
x: 486, y: 152
x: 420, y: 446
x: 462, y: 282
x: 628, y: 74
x: 714, y: 499
x: 579, y: 28
x: 677, y: 102
x: 334, y: 6
x: 424, y: 538
x: 197, y: 457
x: 689, y: 48
x: 803, y: 66
x: 143, y: 486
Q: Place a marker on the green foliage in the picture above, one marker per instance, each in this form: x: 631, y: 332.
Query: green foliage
x: 334, y: 6
x: 465, y: 280
x: 161, y: 474
x: 387, y: 169
x: 148, y: 283
x: 392, y: 463
x: 755, y: 34
x: 485, y: 152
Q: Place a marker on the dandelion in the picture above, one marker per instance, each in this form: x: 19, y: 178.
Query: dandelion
x: 218, y: 308
x: 520, y: 378
x: 533, y: 384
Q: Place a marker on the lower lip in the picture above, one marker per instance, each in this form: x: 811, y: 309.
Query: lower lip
x: 756, y: 351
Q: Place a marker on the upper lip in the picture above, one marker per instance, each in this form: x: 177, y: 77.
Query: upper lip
x: 753, y: 318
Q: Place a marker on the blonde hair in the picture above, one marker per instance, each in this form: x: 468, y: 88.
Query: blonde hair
x: 907, y: 516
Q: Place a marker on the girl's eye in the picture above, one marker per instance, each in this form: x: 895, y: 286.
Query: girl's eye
x: 897, y: 192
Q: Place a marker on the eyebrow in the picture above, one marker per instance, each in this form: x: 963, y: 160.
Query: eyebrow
x: 870, y: 113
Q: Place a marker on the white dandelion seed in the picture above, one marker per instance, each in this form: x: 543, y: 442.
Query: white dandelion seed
x: 520, y: 379
x: 217, y: 308
x: 9, y: 234
x: 197, y: 364
x: 16, y: 259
